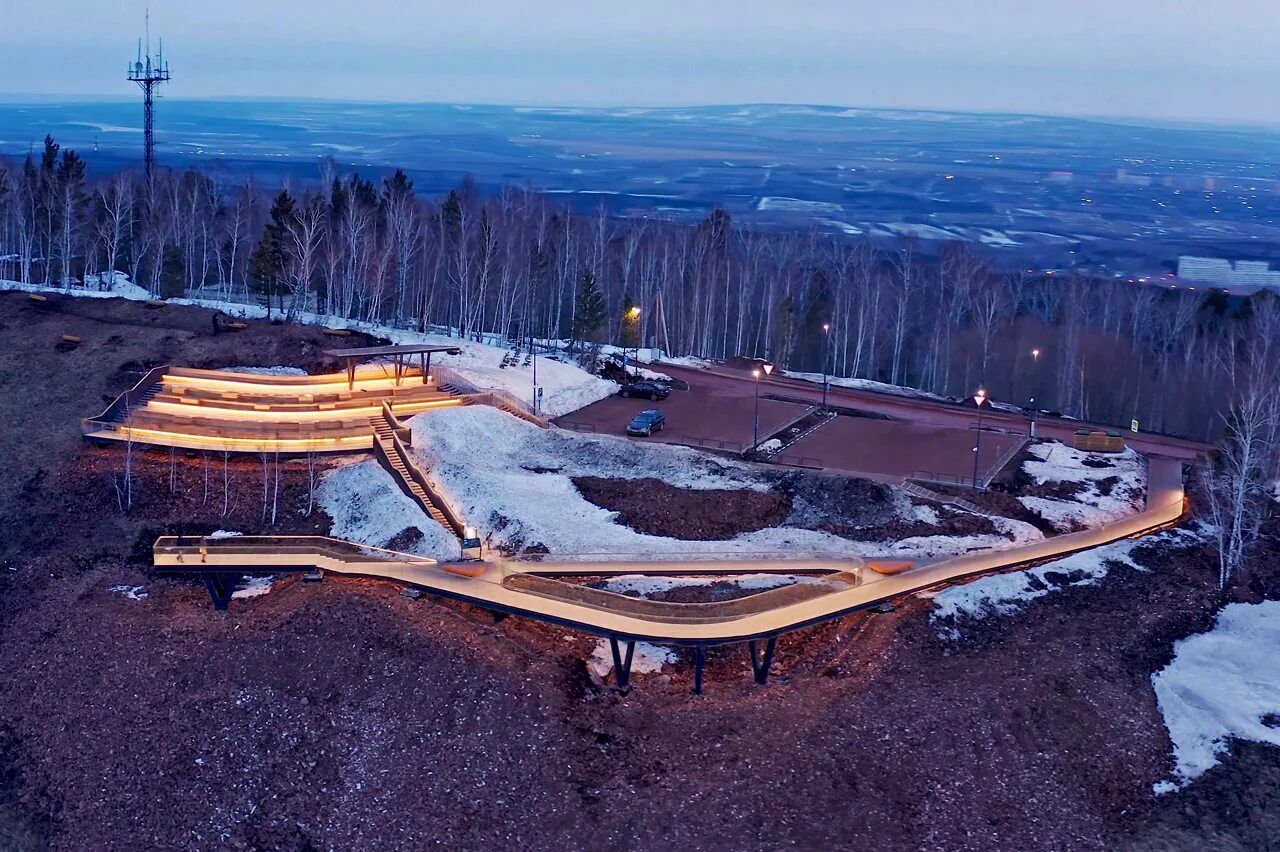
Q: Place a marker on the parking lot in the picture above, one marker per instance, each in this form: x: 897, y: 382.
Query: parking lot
x: 720, y: 417
x: 896, y: 449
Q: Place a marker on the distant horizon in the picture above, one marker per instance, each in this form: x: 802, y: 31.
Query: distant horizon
x: 36, y: 98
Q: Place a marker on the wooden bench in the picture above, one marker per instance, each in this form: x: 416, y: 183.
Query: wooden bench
x: 466, y: 569
x: 154, y: 303
x: 338, y: 332
x: 73, y: 339
x: 36, y: 297
x: 889, y: 566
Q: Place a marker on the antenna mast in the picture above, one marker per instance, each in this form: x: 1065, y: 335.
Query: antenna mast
x: 148, y: 75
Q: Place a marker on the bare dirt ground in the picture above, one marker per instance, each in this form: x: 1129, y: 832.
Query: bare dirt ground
x: 654, y: 507
x: 344, y: 715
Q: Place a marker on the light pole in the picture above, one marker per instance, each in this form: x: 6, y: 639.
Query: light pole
x: 634, y: 315
x: 826, y: 348
x: 979, y: 399
x: 755, y: 433
x: 533, y: 357
x: 1035, y: 381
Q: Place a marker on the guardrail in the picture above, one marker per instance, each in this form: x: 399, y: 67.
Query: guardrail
x: 942, y: 478
x: 419, y: 476
x: 797, y: 461
x: 126, y: 400
x: 576, y: 426
x: 714, y: 444
x: 401, y: 431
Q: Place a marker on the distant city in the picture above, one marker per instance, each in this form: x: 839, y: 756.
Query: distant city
x: 1048, y: 194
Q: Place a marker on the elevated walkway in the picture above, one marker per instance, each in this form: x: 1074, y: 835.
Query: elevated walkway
x: 529, y: 588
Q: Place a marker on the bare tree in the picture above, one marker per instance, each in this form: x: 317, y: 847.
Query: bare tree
x: 1239, y: 482
x: 313, y: 478
x: 226, y: 483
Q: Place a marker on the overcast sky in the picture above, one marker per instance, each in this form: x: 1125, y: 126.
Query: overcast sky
x: 1168, y: 59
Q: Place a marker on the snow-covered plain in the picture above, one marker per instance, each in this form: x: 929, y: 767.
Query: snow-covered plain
x: 512, y: 480
x: 1219, y: 685
x: 1090, y: 507
x: 566, y: 387
x: 368, y: 508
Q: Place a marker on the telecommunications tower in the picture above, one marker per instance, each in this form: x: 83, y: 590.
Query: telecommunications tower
x: 148, y: 75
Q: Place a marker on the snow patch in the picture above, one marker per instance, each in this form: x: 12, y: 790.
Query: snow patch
x: 1002, y: 594
x: 368, y: 507
x: 268, y: 371
x: 513, y: 481
x: 1221, y: 685
x: 646, y: 585
x: 1089, y: 507
x: 253, y: 587
x: 133, y: 593
x: 645, y: 659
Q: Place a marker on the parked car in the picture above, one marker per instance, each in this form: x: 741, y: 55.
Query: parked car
x: 647, y: 422
x: 646, y: 389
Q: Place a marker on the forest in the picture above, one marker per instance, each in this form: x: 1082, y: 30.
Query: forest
x: 523, y: 265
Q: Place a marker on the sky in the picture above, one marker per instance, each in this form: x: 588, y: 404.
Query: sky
x: 1159, y: 59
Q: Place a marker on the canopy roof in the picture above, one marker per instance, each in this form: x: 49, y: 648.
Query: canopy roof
x: 379, y: 351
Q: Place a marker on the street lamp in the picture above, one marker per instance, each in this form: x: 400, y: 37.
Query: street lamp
x: 1035, y: 380
x: 826, y: 348
x: 633, y: 314
x: 755, y: 434
x: 979, y: 399
x: 533, y: 358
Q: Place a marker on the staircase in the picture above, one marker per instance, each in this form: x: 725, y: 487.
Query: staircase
x: 926, y: 494
x: 390, y: 452
x: 137, y: 403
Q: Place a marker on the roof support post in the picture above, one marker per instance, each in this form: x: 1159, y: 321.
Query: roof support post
x: 699, y: 661
x: 761, y: 667
x: 351, y: 374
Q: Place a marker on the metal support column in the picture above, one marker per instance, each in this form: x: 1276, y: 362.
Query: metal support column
x: 220, y: 586
x: 761, y: 667
x: 699, y: 661
x: 621, y: 663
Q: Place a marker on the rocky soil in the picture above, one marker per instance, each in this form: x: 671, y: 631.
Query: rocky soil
x: 344, y: 715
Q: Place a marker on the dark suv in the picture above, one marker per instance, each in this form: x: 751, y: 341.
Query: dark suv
x: 647, y: 422
x: 647, y: 389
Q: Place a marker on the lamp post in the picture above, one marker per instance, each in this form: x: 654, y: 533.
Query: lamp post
x: 979, y: 399
x: 533, y: 358
x: 755, y: 433
x: 826, y: 348
x: 634, y: 315
x: 1035, y: 381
